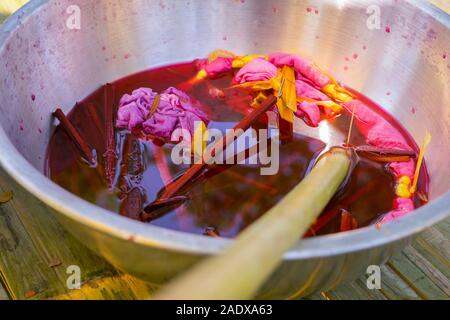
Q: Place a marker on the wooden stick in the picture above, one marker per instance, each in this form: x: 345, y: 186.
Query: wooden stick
x: 93, y: 116
x: 132, y: 164
x: 110, y: 148
x: 384, y: 155
x: 131, y: 205
x: 75, y: 136
x: 173, y: 188
x: 243, y: 267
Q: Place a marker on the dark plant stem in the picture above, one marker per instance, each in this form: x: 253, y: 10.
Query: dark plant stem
x: 110, y: 148
x: 75, y: 136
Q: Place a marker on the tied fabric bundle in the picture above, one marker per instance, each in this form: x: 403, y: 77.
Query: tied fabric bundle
x: 159, y: 115
x: 300, y: 96
x: 317, y: 93
x: 379, y: 133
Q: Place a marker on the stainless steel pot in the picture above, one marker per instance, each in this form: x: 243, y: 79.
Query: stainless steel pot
x: 403, y: 66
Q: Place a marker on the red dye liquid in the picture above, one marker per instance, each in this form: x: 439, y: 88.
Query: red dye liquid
x: 223, y: 204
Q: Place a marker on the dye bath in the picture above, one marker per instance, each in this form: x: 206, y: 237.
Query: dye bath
x: 222, y: 204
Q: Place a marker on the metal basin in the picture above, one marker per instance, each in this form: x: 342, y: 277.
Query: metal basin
x: 403, y: 66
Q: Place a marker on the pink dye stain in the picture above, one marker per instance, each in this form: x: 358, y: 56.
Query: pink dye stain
x: 126, y: 56
x: 309, y: 9
x: 444, y: 56
x: 388, y: 93
x: 413, y: 110
x: 347, y: 59
x: 224, y: 38
x: 388, y: 29
x: 432, y: 34
x: 316, y: 11
x: 355, y: 56
x: 364, y: 47
x: 346, y: 68
x: 274, y: 9
x: 33, y: 97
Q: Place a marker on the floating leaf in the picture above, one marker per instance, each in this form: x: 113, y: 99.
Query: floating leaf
x: 5, y: 197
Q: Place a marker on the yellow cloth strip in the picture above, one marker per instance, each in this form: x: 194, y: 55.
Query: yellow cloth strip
x: 241, y: 61
x: 337, y: 93
x: 199, y: 139
x: 402, y: 189
x: 220, y: 53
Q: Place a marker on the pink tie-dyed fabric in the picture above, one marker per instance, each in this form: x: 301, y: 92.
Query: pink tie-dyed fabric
x: 402, y: 206
x: 256, y: 70
x: 216, y: 67
x: 302, y: 66
x: 309, y: 111
x: 175, y: 110
x: 261, y: 69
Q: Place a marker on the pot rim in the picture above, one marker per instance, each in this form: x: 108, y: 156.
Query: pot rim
x: 117, y: 226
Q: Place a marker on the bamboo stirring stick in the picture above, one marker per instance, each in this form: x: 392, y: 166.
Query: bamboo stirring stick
x: 243, y: 267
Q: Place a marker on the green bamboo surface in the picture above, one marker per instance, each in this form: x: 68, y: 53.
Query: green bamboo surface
x: 35, y: 252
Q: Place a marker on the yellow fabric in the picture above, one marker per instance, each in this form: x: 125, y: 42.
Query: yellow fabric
x: 202, y: 74
x: 220, y: 53
x: 337, y: 93
x: 241, y: 61
x: 333, y: 106
x: 199, y: 139
x: 403, y: 186
x: 258, y: 100
x: 287, y: 99
x: 259, y: 85
x: 289, y: 94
